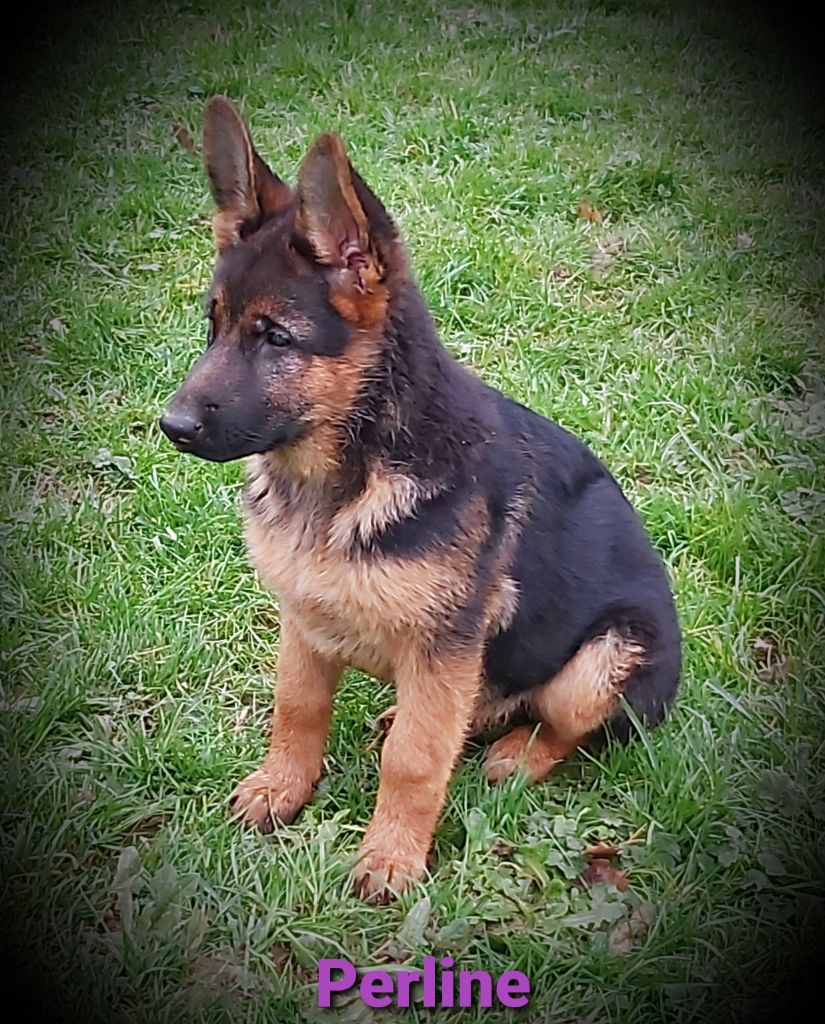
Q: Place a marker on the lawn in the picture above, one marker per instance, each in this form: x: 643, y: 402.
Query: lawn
x: 616, y: 214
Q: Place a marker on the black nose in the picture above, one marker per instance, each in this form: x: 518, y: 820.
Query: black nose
x: 180, y: 427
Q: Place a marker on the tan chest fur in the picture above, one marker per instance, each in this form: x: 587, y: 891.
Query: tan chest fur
x: 369, y: 611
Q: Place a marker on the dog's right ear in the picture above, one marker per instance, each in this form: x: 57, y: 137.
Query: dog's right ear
x: 244, y: 188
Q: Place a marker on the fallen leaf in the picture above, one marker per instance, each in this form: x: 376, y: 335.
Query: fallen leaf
x: 85, y: 795
x: 745, y: 241
x: 632, y: 931
x: 777, y: 672
x: 146, y: 827
x: 215, y: 979
x: 774, y: 667
x: 279, y: 955
x: 58, y: 327
x: 601, y: 871
x: 502, y: 849
x: 47, y: 484
x: 604, y: 255
x: 391, y: 952
x: 587, y: 211
x: 184, y: 138
x: 601, y: 851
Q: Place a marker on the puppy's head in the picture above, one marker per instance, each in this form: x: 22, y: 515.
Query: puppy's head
x: 297, y: 304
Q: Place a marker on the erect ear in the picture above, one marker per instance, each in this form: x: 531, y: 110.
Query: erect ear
x: 345, y: 224
x: 244, y: 188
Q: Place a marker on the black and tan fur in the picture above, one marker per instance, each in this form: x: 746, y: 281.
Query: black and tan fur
x: 415, y: 523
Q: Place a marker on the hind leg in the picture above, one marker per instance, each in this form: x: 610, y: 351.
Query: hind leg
x: 566, y: 710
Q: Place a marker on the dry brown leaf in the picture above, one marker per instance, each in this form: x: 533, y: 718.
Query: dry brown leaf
x: 776, y: 672
x: 587, y: 211
x: 85, y: 795
x: 502, y: 848
x: 773, y: 666
x: 605, y: 254
x: 214, y: 978
x: 601, y: 871
x: 184, y: 138
x: 632, y: 931
x: 601, y: 851
x: 219, y: 972
x: 145, y: 828
x: 279, y: 955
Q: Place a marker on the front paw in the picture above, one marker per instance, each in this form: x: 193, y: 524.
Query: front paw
x: 381, y: 875
x: 268, y: 797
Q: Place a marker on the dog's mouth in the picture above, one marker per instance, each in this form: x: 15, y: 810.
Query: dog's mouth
x: 228, y: 445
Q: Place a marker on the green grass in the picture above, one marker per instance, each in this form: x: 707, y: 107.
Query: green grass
x: 678, y: 338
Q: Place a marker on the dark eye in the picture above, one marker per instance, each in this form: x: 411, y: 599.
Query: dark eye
x: 272, y: 333
x: 210, y: 331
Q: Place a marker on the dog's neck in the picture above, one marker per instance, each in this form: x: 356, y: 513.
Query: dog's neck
x: 419, y: 413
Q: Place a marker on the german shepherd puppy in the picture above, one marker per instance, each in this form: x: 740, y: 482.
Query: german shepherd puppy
x: 415, y: 523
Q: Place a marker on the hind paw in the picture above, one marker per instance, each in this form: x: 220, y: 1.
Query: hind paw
x: 525, y: 748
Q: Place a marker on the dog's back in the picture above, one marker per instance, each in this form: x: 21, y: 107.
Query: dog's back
x: 583, y: 565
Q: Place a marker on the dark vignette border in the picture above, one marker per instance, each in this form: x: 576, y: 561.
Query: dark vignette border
x: 779, y: 38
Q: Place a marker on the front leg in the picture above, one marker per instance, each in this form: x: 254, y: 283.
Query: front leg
x: 436, y: 695
x: 276, y: 792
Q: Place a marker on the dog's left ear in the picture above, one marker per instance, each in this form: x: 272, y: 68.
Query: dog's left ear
x: 345, y: 224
